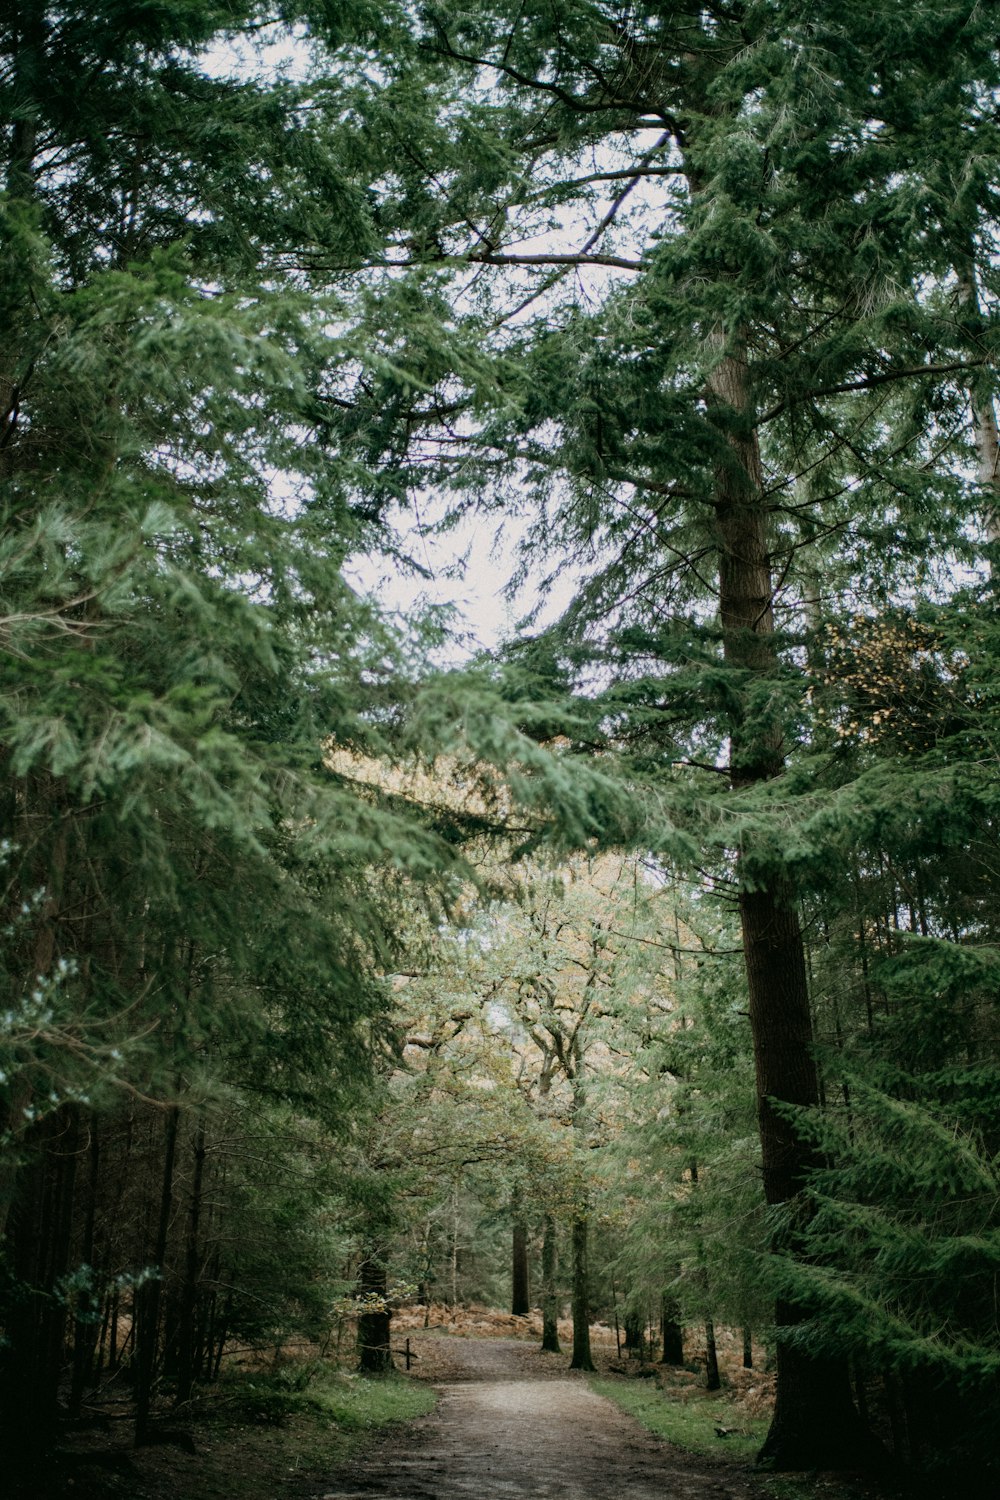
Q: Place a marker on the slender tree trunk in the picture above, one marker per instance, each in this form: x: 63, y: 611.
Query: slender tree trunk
x: 550, y: 1300
x: 189, y: 1290
x: 85, y: 1322
x: 582, y: 1358
x: 148, y: 1297
x: 113, y: 1349
x: 454, y: 1245
x: 671, y: 1330
x: 520, y: 1305
x: 102, y: 1342
x: 712, y: 1380
x: 221, y: 1335
x: 747, y: 1349
x: 426, y: 1269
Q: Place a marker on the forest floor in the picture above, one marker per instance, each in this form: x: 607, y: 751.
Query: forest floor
x: 509, y: 1421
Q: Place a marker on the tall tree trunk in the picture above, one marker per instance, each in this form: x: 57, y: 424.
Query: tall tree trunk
x: 582, y: 1358
x: 374, y: 1324
x: 634, y: 1330
x: 85, y: 1321
x: 712, y: 1380
x: 815, y: 1423
x: 550, y: 1301
x: 148, y: 1297
x: 186, y: 1355
x: 671, y: 1330
x: 520, y: 1306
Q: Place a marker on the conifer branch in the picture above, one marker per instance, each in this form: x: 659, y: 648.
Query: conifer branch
x: 649, y: 942
x: 871, y: 382
x: 616, y: 262
x: 572, y: 101
x: 624, y: 175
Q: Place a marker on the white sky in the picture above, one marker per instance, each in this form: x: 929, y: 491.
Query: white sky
x: 470, y: 565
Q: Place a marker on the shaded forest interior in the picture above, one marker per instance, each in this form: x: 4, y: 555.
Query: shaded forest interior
x: 637, y: 968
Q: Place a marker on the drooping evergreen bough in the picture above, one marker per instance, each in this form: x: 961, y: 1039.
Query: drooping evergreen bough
x: 192, y: 933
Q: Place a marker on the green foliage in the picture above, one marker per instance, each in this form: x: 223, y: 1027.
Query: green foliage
x: 198, y: 911
x: 702, y: 292
x: 691, y: 1219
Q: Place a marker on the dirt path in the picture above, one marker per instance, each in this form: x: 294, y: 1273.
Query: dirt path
x: 511, y: 1423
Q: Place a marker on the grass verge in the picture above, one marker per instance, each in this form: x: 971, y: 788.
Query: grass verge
x: 700, y: 1421
x: 711, y: 1425
x: 350, y: 1404
x: 357, y: 1405
x: 249, y: 1438
x: 312, y: 1423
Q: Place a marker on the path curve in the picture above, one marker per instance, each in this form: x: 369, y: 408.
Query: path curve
x: 500, y: 1432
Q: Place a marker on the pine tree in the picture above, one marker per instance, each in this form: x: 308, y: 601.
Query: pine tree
x: 190, y: 907
x: 757, y: 365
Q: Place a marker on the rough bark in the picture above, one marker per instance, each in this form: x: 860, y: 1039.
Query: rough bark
x: 815, y: 1423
